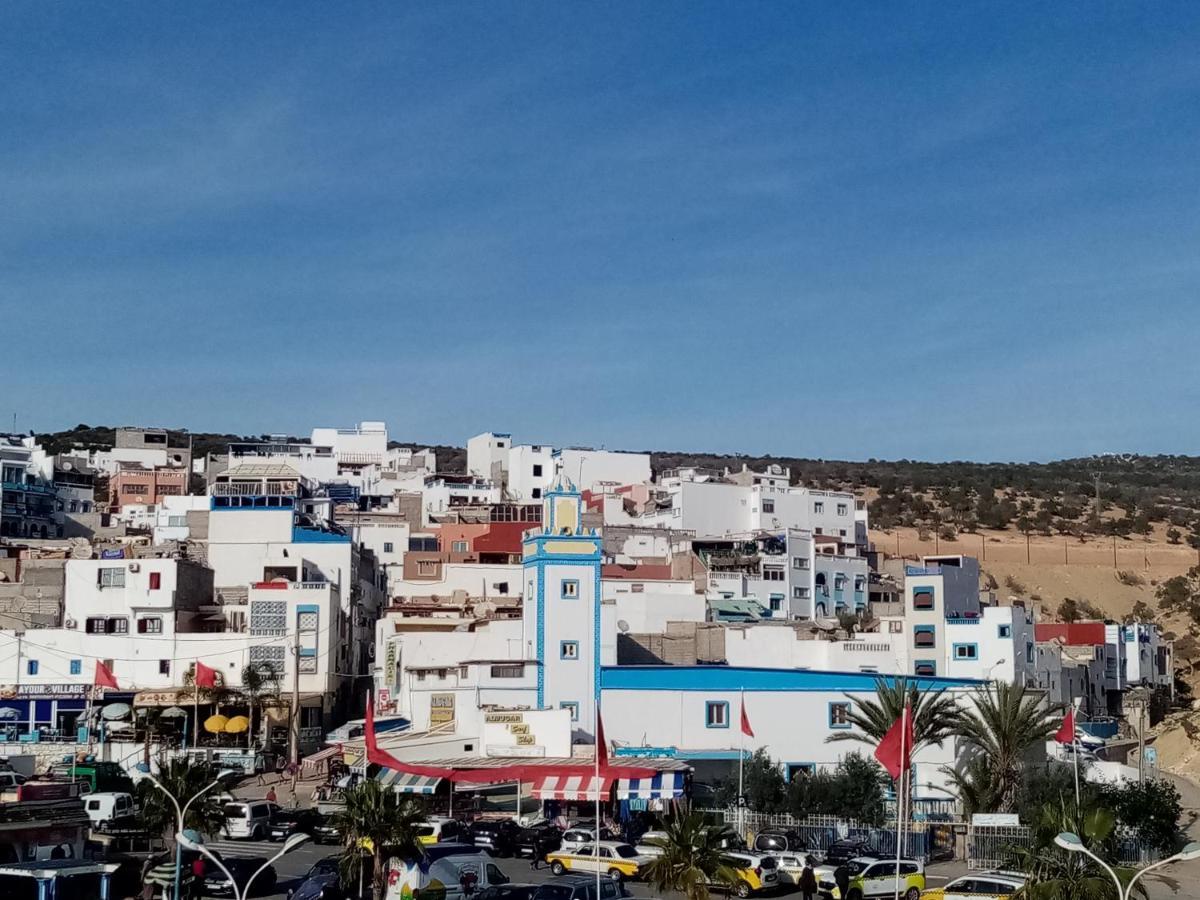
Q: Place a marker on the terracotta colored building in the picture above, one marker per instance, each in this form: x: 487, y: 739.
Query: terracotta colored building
x: 134, y: 484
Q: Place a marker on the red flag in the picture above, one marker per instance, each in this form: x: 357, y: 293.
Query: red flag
x: 103, y: 677
x: 601, y: 743
x: 206, y: 676
x: 895, y: 750
x: 1066, y: 734
x: 746, y: 729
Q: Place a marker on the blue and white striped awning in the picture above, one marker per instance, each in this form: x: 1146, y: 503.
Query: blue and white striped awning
x: 403, y: 783
x: 663, y: 786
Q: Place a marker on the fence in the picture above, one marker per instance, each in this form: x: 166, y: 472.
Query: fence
x: 996, y: 846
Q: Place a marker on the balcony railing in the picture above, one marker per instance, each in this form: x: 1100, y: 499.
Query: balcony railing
x: 29, y: 488
x: 255, y: 488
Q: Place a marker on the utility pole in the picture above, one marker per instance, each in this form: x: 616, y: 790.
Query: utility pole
x: 1096, y: 514
x: 1142, y: 743
x: 294, y: 731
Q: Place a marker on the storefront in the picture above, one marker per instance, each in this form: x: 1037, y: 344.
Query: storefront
x: 31, y: 712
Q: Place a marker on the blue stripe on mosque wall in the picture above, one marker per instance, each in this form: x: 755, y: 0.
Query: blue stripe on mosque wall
x: 736, y: 678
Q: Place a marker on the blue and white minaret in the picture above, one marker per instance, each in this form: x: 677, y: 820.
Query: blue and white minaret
x: 562, y: 606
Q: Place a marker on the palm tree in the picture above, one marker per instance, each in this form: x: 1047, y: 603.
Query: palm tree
x: 974, y: 785
x: 260, y: 685
x: 691, y: 859
x: 1007, y: 722
x: 375, y: 818
x: 935, y: 715
x: 183, y: 780
x: 1057, y: 874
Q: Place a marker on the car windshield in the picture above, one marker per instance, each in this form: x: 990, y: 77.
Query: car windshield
x: 424, y: 830
x: 625, y: 851
x: 855, y: 867
x: 553, y: 892
x: 235, y: 811
x: 768, y: 862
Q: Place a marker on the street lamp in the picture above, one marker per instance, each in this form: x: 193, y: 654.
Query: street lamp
x: 180, y: 813
x: 240, y: 893
x: 987, y: 673
x: 1072, y: 844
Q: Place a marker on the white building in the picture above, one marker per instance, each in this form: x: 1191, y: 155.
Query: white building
x: 441, y: 493
x: 527, y: 471
x: 171, y: 516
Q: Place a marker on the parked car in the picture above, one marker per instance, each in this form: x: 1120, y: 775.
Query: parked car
x: 756, y: 873
x: 320, y: 881
x: 11, y: 779
x: 579, y: 887
x: 286, y: 822
x: 614, y: 860
x: 440, y: 828
x: 497, y: 836
x: 544, y: 837
x: 646, y: 845
x: 847, y: 849
x: 993, y: 885
x: 870, y: 877
x: 778, y: 840
x: 249, y: 818
x: 217, y: 883
x: 585, y: 833
x: 508, y: 892
x: 791, y: 865
x: 107, y: 808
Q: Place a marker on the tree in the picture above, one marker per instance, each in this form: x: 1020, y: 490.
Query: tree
x: 1058, y: 874
x: 1007, y: 721
x: 378, y: 817
x: 1181, y: 594
x: 260, y: 684
x: 974, y: 786
x: 183, y: 780
x: 1151, y: 810
x: 762, y: 781
x: 1068, y: 610
x: 692, y: 858
x: 1174, y: 535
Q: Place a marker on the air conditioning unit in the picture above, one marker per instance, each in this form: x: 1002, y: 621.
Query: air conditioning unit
x: 70, y: 623
x: 135, y: 567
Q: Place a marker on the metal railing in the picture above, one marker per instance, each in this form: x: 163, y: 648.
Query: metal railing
x: 255, y: 488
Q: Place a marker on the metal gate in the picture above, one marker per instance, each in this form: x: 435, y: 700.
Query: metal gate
x: 993, y: 846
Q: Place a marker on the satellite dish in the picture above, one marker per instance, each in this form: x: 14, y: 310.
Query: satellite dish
x: 622, y: 626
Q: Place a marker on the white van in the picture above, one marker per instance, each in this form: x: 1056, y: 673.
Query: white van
x: 108, y: 808
x: 450, y: 871
x: 248, y: 818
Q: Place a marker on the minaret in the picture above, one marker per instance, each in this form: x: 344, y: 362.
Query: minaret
x: 562, y: 606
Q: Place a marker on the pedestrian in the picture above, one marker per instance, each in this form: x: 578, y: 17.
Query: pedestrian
x: 271, y: 797
x: 539, y: 846
x: 197, y: 885
x: 841, y: 877
x: 808, y: 881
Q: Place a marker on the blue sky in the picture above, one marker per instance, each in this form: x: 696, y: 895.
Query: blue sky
x: 635, y: 225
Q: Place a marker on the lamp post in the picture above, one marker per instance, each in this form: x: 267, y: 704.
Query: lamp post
x: 1073, y: 844
x: 987, y: 673
x: 181, y: 812
x: 240, y: 893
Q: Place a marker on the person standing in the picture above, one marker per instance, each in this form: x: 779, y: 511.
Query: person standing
x: 271, y: 795
x: 808, y: 881
x: 841, y: 876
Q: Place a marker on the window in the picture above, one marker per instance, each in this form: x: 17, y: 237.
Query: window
x: 716, y: 714
x: 150, y: 625
x: 570, y: 590
x: 568, y: 650
x: 768, y: 506
x: 776, y: 603
x: 164, y: 667
x: 800, y: 593
x: 463, y: 671
x: 922, y: 598
x: 896, y: 626
x: 637, y: 588
x: 799, y: 769
x: 111, y: 576
x: 427, y: 566
x: 420, y: 675
x: 839, y: 715
x: 136, y: 490
x: 76, y: 667
x: 517, y: 671
x: 537, y: 470
x: 925, y: 667
x: 458, y: 547
x: 31, y: 667
x: 773, y: 575
x: 842, y: 509
x: 966, y: 651
x: 799, y: 562
x: 1029, y: 652
x: 573, y: 706
x: 536, y: 493
x: 177, y: 521
x: 155, y: 581
x: 818, y: 508
x: 387, y: 546
x: 1005, y: 631
x: 118, y: 625
x: 924, y: 636
x: 96, y: 626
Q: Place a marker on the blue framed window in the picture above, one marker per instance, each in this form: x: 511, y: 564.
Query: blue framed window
x: 924, y: 636
x: 570, y: 589
x: 776, y: 601
x: 76, y: 667
x: 573, y: 706
x: 922, y: 598
x: 1004, y: 631
x: 716, y: 714
x: 794, y: 769
x: 31, y: 667
x: 966, y: 651
x: 926, y: 668
x: 568, y: 649
x: 839, y: 714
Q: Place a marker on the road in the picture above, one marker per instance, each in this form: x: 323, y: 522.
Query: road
x: 292, y: 867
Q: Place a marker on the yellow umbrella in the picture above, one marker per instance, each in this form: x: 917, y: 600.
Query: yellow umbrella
x: 215, y: 724
x: 237, y: 725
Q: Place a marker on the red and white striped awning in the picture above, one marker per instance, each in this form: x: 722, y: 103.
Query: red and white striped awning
x: 573, y: 787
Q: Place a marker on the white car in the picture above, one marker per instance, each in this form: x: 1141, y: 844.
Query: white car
x: 992, y: 884
x: 645, y: 847
x: 790, y: 867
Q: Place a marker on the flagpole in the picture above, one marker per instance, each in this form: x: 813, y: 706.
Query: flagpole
x: 741, y: 797
x: 596, y: 782
x: 196, y: 707
x: 1075, y: 747
x: 900, y: 795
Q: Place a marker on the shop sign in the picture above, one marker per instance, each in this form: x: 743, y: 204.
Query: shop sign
x: 76, y: 691
x: 526, y: 740
x: 441, y: 709
x: 503, y: 718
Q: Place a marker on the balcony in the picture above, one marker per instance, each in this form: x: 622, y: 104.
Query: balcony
x: 964, y: 620
x: 255, y: 489
x: 29, y: 488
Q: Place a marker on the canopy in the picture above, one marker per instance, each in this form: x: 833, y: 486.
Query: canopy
x: 215, y: 724
x: 572, y: 787
x: 663, y: 786
x: 173, y: 712
x: 7, y: 712
x: 117, y: 710
x: 402, y: 783
x: 237, y: 725
x: 312, y: 763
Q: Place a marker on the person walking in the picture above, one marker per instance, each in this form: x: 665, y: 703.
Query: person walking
x: 539, y: 845
x: 808, y: 881
x: 841, y: 876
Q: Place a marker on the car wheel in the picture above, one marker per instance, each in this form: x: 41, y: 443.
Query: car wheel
x: 616, y: 875
x: 854, y: 894
x: 742, y: 889
x: 912, y: 894
x: 558, y: 868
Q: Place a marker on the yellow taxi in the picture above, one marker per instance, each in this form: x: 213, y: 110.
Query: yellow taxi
x: 755, y: 872
x: 871, y: 877
x: 611, y: 858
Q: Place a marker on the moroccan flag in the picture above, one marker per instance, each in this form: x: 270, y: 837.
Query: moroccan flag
x: 895, y: 750
x: 601, y: 744
x: 206, y: 676
x: 1066, y: 734
x: 103, y: 677
x: 746, y: 729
